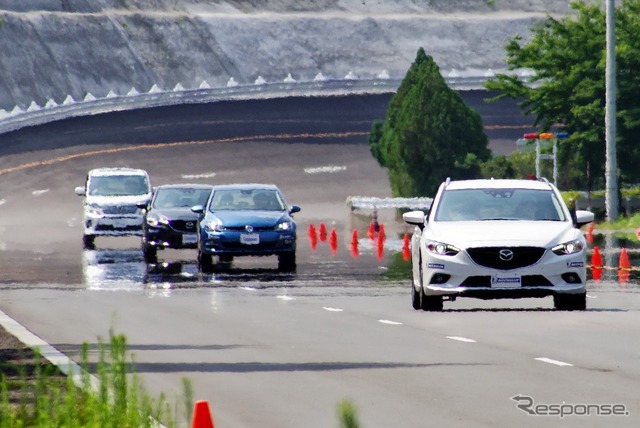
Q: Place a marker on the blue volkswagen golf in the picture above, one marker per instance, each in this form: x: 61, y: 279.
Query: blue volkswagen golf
x: 246, y: 220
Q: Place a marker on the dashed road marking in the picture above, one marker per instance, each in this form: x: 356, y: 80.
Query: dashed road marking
x: 323, y: 169
x: 461, y: 339
x: 555, y: 362
x: 389, y: 322
x: 332, y: 309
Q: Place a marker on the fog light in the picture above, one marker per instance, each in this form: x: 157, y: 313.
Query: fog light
x: 571, y: 278
x: 439, y: 278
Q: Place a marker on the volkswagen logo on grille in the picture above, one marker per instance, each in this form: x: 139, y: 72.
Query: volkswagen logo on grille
x: 248, y: 228
x: 505, y: 254
x: 189, y: 225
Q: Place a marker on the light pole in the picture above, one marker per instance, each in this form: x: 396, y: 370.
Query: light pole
x: 611, y: 167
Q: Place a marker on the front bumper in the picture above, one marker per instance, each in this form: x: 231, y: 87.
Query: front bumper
x: 113, y: 225
x: 169, y: 238
x: 236, y: 243
x: 461, y: 276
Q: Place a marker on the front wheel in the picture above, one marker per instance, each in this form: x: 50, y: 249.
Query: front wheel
x: 415, y: 295
x: 150, y: 253
x: 430, y: 303
x: 88, y: 242
x: 570, y: 302
x: 287, y: 262
x: 205, y: 262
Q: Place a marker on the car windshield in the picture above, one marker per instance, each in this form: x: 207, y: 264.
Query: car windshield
x: 499, y: 204
x: 247, y: 199
x: 118, y: 185
x: 180, y: 197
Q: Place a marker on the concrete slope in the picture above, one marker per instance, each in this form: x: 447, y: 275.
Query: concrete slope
x: 73, y: 47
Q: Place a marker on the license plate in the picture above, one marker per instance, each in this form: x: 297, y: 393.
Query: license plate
x: 189, y: 238
x: 250, y: 239
x: 506, y: 281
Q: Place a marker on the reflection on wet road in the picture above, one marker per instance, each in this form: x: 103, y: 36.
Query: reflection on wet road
x: 122, y: 269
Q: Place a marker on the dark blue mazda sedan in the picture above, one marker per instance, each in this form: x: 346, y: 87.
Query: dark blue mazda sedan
x: 246, y: 220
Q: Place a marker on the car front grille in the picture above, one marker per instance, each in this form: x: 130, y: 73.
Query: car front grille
x: 498, y: 257
x: 243, y: 228
x: 527, y: 281
x: 120, y: 209
x: 183, y: 225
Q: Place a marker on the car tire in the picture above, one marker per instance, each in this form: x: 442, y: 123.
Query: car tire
x: 287, y: 262
x: 88, y: 242
x: 429, y: 303
x: 226, y: 259
x: 570, y: 302
x: 150, y: 253
x: 415, y: 295
x: 205, y: 262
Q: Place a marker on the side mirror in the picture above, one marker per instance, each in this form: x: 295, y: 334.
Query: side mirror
x: 416, y: 218
x: 143, y: 205
x: 80, y: 190
x: 294, y: 209
x: 583, y: 217
x: 198, y: 209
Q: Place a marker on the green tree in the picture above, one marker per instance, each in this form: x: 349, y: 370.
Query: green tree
x: 567, y: 87
x: 429, y: 133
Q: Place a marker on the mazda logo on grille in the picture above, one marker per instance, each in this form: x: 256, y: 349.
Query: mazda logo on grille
x: 505, y: 254
x: 189, y: 225
x: 248, y: 228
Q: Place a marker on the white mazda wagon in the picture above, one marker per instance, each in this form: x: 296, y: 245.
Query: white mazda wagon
x: 493, y: 239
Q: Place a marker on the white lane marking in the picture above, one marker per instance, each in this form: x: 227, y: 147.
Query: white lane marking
x: 389, y: 322
x: 3, y: 201
x: 461, y: 339
x: 331, y: 309
x: 555, y: 362
x: 248, y: 288
x: 39, y: 192
x: 321, y: 169
x: 192, y: 176
x: 589, y: 296
x: 286, y: 298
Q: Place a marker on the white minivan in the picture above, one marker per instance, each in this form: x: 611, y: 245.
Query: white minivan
x: 111, y: 202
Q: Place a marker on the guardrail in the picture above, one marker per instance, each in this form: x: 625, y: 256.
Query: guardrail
x: 156, y: 97
x: 373, y: 203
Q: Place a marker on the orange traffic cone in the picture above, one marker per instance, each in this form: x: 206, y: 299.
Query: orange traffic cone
x: 323, y: 232
x: 624, y: 260
x: 624, y: 267
x: 371, y: 234
x: 313, y: 238
x: 380, y: 246
x: 333, y: 241
x: 355, y: 252
x: 202, y: 415
x: 406, y: 251
x: 381, y: 234
x: 596, y: 264
x: 589, y: 235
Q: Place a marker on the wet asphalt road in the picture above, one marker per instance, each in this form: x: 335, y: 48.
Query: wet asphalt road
x: 274, y: 350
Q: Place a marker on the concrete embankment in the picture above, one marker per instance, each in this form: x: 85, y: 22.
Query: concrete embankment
x: 53, y: 49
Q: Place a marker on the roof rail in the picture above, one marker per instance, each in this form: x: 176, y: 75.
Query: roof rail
x: 544, y: 180
x: 446, y: 182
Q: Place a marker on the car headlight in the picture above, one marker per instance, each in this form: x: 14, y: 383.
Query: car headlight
x: 213, y: 226
x: 570, y: 247
x: 285, y: 225
x: 94, y: 209
x: 158, y: 221
x: 441, y: 249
